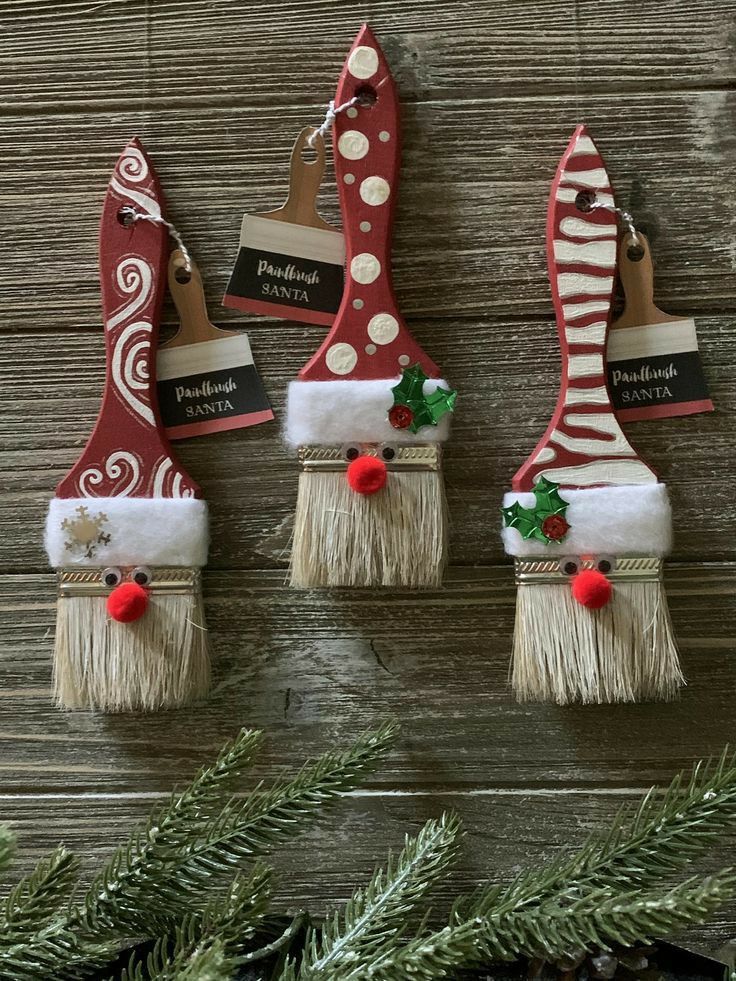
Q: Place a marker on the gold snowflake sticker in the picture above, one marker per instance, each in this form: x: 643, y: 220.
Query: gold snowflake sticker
x: 85, y: 532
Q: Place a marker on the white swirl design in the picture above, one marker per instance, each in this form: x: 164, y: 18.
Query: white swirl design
x: 134, y: 277
x: 130, y: 359
x: 92, y: 477
x: 162, y: 475
x: 133, y: 169
x: 132, y: 165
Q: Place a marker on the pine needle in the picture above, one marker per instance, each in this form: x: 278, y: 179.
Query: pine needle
x: 378, y: 914
x: 647, y: 842
x: 35, y: 898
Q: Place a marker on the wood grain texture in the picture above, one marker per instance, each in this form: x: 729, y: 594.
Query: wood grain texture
x: 490, y: 94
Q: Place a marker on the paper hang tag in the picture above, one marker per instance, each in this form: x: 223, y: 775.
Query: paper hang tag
x: 291, y: 261
x: 654, y: 367
x: 207, y: 380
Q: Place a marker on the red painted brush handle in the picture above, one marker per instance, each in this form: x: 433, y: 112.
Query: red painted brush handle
x: 128, y: 454
x: 583, y: 445
x: 369, y: 339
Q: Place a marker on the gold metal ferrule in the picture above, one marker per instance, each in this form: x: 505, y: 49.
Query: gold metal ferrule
x: 531, y: 571
x: 407, y: 458
x: 88, y: 582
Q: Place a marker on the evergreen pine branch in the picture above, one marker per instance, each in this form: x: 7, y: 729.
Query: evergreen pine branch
x: 227, y: 923
x: 7, y: 847
x: 594, y: 921
x: 655, y: 838
x: 131, y: 887
x: 185, y: 849
x: 266, y: 818
x: 37, y: 897
x: 377, y: 915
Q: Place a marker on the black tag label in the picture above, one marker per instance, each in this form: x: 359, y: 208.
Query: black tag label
x: 655, y: 371
x: 286, y: 281
x: 665, y: 379
x: 226, y: 393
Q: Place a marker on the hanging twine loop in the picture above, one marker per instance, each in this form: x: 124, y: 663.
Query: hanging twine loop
x: 129, y: 212
x: 624, y: 216
x: 330, y: 116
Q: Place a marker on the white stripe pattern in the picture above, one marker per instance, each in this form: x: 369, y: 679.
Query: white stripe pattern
x: 584, y: 365
x: 575, y: 311
x: 573, y: 284
x: 588, y: 446
x: 583, y: 145
x: 595, y: 253
x: 579, y: 228
x: 592, y: 334
x: 599, y: 422
x: 587, y: 396
x: 545, y: 455
x: 610, y: 472
x: 595, y: 178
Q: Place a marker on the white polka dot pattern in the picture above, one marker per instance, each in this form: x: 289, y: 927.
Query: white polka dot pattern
x: 375, y: 190
x: 368, y: 336
x: 383, y: 328
x: 363, y: 62
x: 365, y: 268
x: 353, y: 145
x: 341, y: 358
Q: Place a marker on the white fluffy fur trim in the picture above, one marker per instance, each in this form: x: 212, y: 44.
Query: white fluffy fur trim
x: 142, y: 531
x: 631, y: 520
x: 335, y: 412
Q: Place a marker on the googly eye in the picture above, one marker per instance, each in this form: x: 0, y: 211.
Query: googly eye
x: 350, y: 451
x: 569, y: 566
x: 605, y: 564
x: 111, y: 576
x: 387, y: 452
x: 142, y: 575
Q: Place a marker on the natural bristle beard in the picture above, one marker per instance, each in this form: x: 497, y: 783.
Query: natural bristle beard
x: 396, y: 537
x: 566, y: 653
x: 159, y: 661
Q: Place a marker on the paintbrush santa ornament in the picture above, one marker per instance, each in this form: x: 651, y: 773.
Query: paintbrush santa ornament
x: 588, y: 522
x: 127, y: 530
x: 369, y: 412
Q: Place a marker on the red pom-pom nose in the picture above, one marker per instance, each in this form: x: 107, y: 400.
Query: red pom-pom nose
x: 366, y: 474
x: 127, y: 602
x: 591, y: 588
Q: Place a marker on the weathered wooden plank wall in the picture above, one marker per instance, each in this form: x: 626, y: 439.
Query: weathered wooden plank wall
x: 491, y: 92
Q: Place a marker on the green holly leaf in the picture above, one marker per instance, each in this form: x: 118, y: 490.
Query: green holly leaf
x: 524, y: 520
x: 411, y: 387
x: 534, y: 522
x: 548, y: 498
x: 427, y: 410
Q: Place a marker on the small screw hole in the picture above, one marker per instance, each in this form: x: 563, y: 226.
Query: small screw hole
x: 126, y: 217
x: 366, y: 96
x: 635, y: 253
x: 585, y: 201
x: 182, y: 274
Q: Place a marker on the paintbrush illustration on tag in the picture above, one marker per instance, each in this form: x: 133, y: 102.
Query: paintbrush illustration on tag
x: 127, y: 529
x: 370, y: 411
x: 207, y: 380
x: 654, y: 366
x: 587, y: 522
x: 291, y: 261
